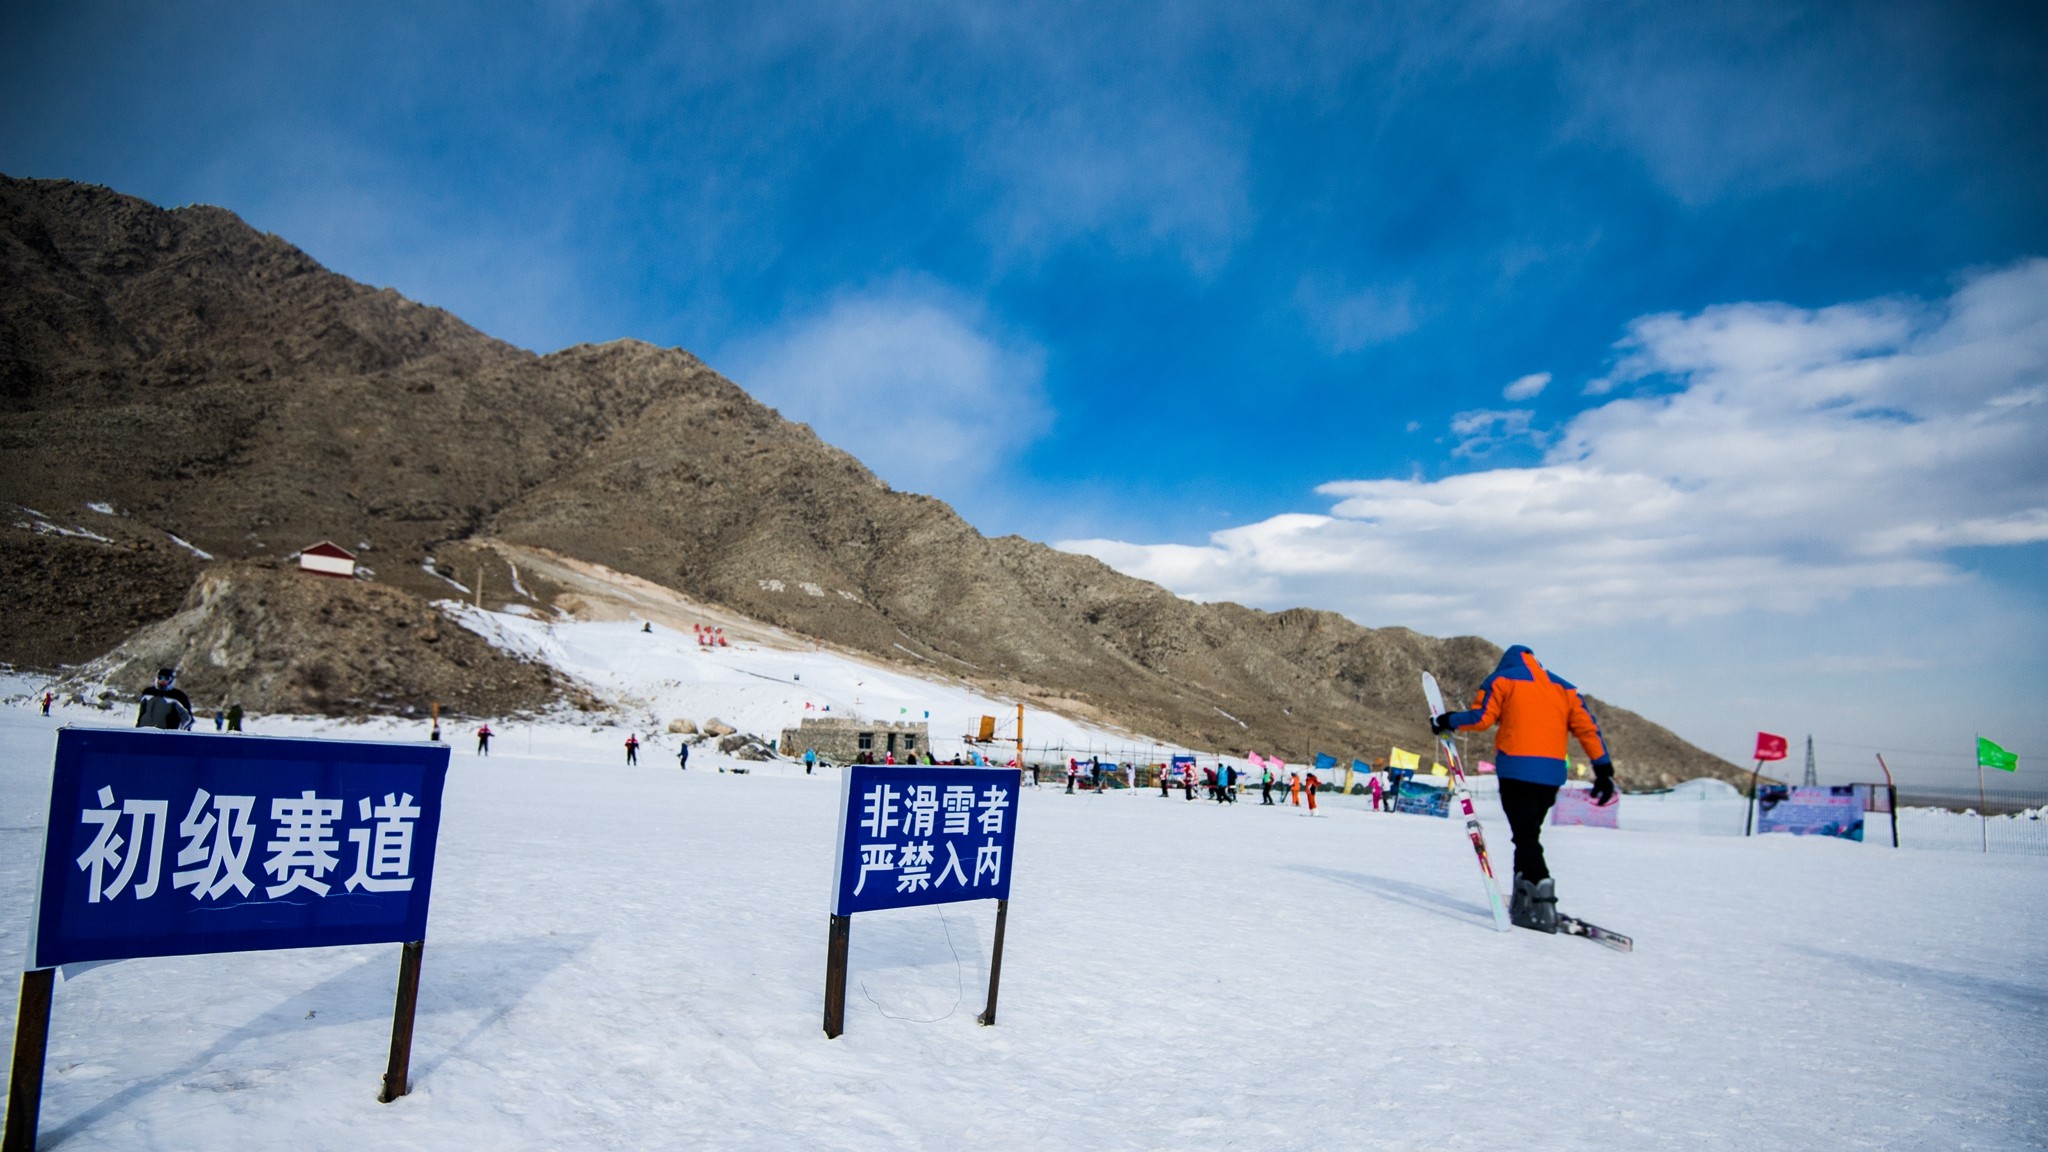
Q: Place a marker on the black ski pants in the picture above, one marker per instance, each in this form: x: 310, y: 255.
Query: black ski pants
x: 1526, y: 805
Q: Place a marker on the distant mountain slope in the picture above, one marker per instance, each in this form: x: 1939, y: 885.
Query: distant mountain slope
x: 204, y: 380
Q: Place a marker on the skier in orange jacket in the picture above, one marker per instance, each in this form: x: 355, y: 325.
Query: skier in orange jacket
x: 1538, y: 713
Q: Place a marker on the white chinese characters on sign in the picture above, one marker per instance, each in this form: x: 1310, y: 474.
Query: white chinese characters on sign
x: 218, y: 833
x: 110, y: 850
x: 386, y: 865
x: 305, y: 845
x: 918, y: 812
x: 219, y: 844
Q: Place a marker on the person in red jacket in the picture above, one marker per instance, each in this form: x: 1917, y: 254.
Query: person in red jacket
x: 1538, y: 713
x: 632, y: 748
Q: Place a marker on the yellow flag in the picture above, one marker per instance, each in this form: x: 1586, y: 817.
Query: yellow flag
x: 1401, y: 759
x: 1436, y: 769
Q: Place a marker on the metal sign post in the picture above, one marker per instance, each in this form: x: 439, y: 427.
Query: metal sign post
x: 182, y: 844
x: 912, y: 836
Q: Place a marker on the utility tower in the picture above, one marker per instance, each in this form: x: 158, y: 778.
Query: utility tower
x: 1812, y: 776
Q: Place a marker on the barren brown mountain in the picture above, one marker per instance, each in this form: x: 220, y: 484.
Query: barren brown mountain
x: 177, y: 374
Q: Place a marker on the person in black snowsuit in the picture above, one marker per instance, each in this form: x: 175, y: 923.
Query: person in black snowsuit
x: 164, y: 705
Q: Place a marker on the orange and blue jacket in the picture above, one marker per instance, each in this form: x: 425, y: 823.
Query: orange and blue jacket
x: 1537, y: 713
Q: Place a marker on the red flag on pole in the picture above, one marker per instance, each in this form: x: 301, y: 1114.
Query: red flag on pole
x: 1769, y: 747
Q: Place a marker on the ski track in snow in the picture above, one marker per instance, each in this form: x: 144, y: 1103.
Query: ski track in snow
x: 629, y: 958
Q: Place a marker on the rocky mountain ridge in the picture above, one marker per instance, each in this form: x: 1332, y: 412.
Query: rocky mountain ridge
x: 227, y: 401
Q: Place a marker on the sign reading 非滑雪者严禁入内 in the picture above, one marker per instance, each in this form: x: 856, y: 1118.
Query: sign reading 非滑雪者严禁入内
x: 923, y: 835
x: 180, y: 843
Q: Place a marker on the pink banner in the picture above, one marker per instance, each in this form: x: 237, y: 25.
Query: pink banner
x: 1575, y: 806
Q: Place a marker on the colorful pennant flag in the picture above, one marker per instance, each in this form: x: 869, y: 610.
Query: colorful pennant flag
x: 1769, y: 747
x: 1402, y: 758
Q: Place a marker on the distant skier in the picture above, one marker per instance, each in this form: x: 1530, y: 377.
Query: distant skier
x: 1294, y: 789
x: 1376, y: 791
x: 632, y: 749
x: 683, y: 755
x: 1538, y: 713
x: 810, y: 760
x: 220, y: 719
x: 1187, y: 780
x: 48, y: 698
x: 235, y: 718
x: 1309, y: 787
x: 1265, y: 785
x: 1165, y: 779
x: 1073, y: 774
x: 483, y: 740
x: 164, y: 705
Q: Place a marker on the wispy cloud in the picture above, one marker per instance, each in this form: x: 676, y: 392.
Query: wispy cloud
x: 1767, y: 457
x: 911, y: 377
x: 1526, y: 387
x: 1350, y: 319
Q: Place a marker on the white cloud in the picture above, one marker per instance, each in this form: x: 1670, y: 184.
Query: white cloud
x: 1350, y: 320
x: 1764, y: 458
x: 913, y: 379
x: 1480, y: 432
x: 1526, y: 387
x: 1140, y: 181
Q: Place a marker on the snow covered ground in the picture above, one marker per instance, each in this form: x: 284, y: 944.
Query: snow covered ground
x: 634, y: 958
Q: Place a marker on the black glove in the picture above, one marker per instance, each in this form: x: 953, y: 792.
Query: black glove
x: 1603, y: 783
x: 1440, y: 725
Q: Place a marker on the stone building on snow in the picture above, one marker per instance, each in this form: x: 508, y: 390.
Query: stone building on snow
x: 842, y: 739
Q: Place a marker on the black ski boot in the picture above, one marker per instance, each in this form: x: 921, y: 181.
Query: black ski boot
x: 1534, y: 905
x: 1521, y: 906
x: 1544, y: 906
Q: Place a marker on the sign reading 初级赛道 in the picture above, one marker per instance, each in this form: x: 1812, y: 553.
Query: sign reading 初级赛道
x: 932, y: 835
x: 173, y: 843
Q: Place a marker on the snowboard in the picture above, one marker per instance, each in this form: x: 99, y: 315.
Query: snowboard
x: 1448, y: 752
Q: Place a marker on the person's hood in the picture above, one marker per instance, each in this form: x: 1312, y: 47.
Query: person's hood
x: 1511, y: 663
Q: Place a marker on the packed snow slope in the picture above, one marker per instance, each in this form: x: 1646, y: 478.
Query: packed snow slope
x: 184, y: 391
x: 633, y: 958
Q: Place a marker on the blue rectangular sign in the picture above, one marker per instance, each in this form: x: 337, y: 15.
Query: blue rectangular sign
x: 913, y: 836
x: 179, y: 843
x: 1835, y: 810
x: 1418, y: 799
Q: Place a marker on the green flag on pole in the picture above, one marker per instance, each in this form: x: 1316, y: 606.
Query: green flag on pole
x: 1990, y: 755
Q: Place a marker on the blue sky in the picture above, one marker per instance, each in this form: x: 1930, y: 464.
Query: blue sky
x: 1697, y: 346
